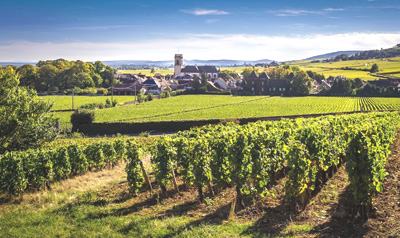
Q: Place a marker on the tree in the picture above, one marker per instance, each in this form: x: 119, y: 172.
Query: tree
x: 25, y: 120
x: 374, y: 68
x: 247, y: 71
x: 27, y: 73
x: 108, y: 77
x: 196, y: 84
x: 278, y: 73
x: 204, y: 79
x: 47, y: 78
x: 301, y: 83
x: 79, y: 75
x: 226, y: 74
x: 295, y: 68
x: 100, y: 67
x: 358, y: 83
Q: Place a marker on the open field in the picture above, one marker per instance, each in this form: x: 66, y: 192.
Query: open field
x: 65, y: 102
x: 336, y: 68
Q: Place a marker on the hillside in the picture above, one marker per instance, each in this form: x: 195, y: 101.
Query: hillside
x: 332, y: 55
x: 388, y: 67
x: 170, y: 63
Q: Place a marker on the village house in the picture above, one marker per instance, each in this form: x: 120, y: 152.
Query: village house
x: 156, y: 85
x: 319, y: 86
x: 221, y: 83
x: 134, y: 84
x: 127, y: 89
x: 263, y: 85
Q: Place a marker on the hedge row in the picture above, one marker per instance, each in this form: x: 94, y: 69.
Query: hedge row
x: 112, y: 128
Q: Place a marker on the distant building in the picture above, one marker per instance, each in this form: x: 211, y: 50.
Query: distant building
x: 263, y: 85
x: 178, y: 65
x: 127, y: 89
x: 210, y: 71
x: 221, y: 83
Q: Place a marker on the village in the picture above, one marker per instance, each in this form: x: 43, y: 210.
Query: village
x: 185, y: 77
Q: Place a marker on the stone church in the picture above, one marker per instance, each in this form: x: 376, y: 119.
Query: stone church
x: 193, y: 70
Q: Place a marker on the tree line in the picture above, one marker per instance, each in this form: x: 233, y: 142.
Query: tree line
x: 357, y: 87
x: 61, y: 74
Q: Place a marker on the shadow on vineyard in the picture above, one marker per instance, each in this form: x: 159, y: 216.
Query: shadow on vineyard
x: 344, y: 221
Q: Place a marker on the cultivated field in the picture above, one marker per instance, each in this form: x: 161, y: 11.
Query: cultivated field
x: 194, y: 107
x: 387, y: 67
x: 118, y: 202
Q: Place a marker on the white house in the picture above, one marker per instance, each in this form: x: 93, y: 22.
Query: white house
x: 221, y: 83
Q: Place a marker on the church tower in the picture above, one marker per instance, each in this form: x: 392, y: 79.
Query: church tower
x: 178, y: 65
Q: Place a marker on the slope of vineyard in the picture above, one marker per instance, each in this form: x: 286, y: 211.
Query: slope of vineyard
x: 238, y: 154
x: 197, y: 107
x: 352, y: 68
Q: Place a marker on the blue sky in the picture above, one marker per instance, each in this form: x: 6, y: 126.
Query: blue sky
x: 206, y: 29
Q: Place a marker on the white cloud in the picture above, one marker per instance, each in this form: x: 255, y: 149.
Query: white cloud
x: 299, y: 12
x: 204, y: 12
x: 333, y: 9
x: 294, y: 13
x: 201, y: 46
x: 310, y: 26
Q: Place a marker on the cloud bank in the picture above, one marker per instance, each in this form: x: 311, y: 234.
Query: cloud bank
x: 201, y: 46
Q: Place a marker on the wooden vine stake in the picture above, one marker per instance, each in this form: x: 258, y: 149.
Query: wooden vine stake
x: 232, y: 211
x: 211, y: 189
x: 146, y: 177
x: 174, y: 179
x: 304, y: 198
x: 201, y: 195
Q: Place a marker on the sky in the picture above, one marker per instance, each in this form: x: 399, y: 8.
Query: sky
x: 280, y: 30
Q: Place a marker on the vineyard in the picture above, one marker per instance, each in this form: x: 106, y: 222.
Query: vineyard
x: 293, y: 159
x: 247, y: 157
x: 35, y: 169
x: 353, y: 68
x: 197, y: 107
x: 251, y: 157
